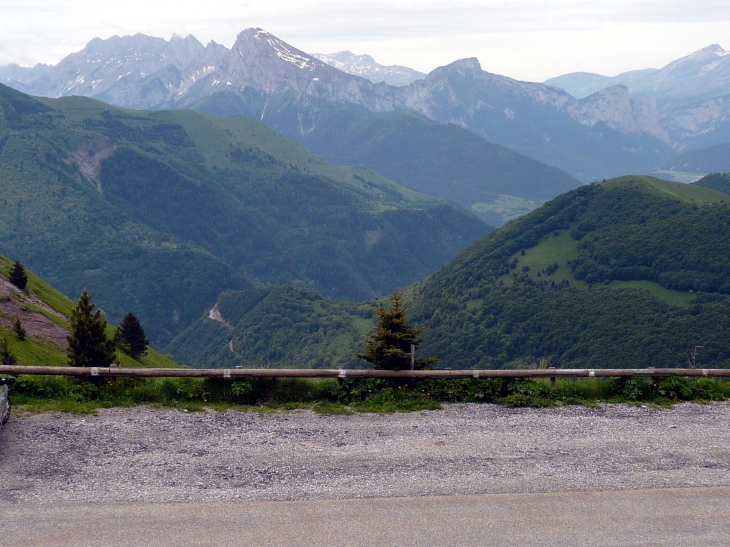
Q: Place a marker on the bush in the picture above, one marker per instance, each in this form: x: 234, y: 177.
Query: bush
x: 688, y: 389
x: 517, y: 400
x: 41, y: 387
x: 528, y: 387
x: 465, y: 390
x: 359, y: 389
x: 674, y: 388
x: 630, y: 389
x: 397, y: 399
x: 365, y: 395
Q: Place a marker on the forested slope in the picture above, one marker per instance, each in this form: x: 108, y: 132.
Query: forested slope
x: 632, y: 272
x: 442, y: 160
x: 716, y: 181
x: 160, y: 212
x: 280, y: 327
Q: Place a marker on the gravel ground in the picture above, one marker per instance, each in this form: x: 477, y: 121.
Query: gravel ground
x: 142, y: 454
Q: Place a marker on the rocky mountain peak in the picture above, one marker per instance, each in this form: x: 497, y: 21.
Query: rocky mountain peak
x: 257, y: 44
x: 119, y: 60
x: 471, y: 63
x: 462, y: 66
x: 618, y: 90
x: 366, y: 67
x: 16, y: 75
x: 184, y: 50
x: 349, y: 56
x: 713, y: 50
x: 614, y: 107
x: 710, y: 55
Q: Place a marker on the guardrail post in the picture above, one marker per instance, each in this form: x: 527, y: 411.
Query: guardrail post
x: 552, y: 379
x: 341, y: 376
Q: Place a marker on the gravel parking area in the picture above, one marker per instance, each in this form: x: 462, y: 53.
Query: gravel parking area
x: 142, y: 454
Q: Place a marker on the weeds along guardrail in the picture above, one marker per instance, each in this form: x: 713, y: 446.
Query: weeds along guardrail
x: 549, y: 373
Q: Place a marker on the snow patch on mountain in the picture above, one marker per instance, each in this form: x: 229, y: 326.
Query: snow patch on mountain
x: 151, y: 73
x: 366, y: 67
x: 285, y: 54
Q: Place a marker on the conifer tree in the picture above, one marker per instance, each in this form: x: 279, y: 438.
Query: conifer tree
x: 19, y: 330
x: 134, y: 335
x: 388, y: 347
x: 88, y: 345
x: 7, y: 359
x: 18, y: 277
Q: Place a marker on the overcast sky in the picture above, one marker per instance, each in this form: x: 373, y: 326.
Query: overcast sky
x: 525, y: 39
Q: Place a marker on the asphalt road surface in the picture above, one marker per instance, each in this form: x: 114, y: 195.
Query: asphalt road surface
x: 687, y: 517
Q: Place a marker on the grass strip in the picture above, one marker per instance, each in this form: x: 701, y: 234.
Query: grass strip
x: 326, y: 396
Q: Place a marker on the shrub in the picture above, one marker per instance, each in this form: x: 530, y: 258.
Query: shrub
x: 359, y: 389
x: 674, y: 388
x: 19, y: 330
x: 630, y: 389
x: 527, y: 386
x: 517, y: 400
x: 465, y: 390
x: 687, y: 389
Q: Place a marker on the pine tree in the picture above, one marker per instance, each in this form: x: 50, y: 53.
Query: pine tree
x: 7, y: 359
x: 88, y: 345
x: 19, y: 330
x: 389, y: 346
x: 18, y: 277
x: 133, y: 335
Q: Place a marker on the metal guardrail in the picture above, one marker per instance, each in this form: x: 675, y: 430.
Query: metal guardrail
x: 360, y: 373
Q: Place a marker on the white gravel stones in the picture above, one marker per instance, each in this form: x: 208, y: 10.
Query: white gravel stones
x: 144, y: 454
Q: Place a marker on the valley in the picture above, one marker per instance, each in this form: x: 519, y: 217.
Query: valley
x: 267, y: 199
x: 159, y: 212
x: 633, y: 263
x: 441, y: 273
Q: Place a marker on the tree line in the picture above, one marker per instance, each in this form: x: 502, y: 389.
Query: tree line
x: 89, y: 344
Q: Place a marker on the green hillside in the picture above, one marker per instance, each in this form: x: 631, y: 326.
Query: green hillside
x: 43, y: 313
x: 281, y: 327
x: 159, y: 212
x: 441, y: 160
x: 633, y: 272
x: 713, y: 159
x: 716, y: 181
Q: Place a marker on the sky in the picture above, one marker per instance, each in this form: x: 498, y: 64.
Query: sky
x: 526, y: 39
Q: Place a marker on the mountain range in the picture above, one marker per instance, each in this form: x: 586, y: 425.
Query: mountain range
x: 263, y: 77
x: 365, y: 66
x: 14, y: 74
x: 692, y: 95
x: 265, y: 200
